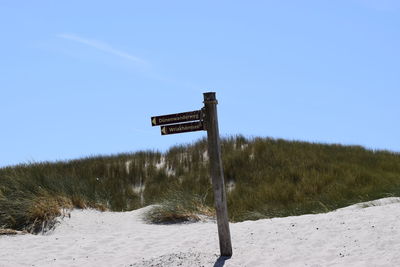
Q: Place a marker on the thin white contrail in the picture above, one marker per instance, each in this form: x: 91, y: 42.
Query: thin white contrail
x: 103, y: 47
x: 122, y: 54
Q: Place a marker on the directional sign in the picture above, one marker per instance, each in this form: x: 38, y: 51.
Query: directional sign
x: 176, y: 118
x: 182, y: 128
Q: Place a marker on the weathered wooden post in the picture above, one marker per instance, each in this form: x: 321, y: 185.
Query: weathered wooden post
x: 200, y: 120
x: 217, y: 173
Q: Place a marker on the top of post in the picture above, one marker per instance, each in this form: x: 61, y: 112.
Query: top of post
x: 209, y: 98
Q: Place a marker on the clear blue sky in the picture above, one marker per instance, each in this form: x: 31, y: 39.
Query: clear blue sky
x: 81, y: 78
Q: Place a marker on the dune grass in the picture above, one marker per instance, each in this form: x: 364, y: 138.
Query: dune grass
x: 265, y: 178
x: 179, y: 206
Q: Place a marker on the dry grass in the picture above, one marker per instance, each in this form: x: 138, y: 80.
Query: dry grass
x: 178, y: 207
x: 11, y: 232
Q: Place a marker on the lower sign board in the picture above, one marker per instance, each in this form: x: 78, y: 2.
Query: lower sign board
x: 182, y: 128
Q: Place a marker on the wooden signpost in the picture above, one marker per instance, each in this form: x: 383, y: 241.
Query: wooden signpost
x: 205, y: 119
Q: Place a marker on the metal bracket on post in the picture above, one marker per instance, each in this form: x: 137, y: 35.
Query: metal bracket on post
x: 203, y: 117
x: 217, y: 173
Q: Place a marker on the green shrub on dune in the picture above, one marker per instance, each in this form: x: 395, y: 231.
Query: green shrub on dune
x: 264, y: 178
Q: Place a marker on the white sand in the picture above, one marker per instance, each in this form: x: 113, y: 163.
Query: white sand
x: 353, y: 236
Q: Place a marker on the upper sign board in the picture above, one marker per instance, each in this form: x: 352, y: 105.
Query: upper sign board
x: 176, y: 118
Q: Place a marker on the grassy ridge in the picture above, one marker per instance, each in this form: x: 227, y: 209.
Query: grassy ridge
x: 264, y: 177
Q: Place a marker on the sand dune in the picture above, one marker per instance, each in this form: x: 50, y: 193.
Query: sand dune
x: 365, y: 234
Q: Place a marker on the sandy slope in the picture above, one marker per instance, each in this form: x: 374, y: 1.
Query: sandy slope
x: 353, y: 236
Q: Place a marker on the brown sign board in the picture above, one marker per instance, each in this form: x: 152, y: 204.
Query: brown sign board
x: 176, y: 118
x: 182, y: 128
